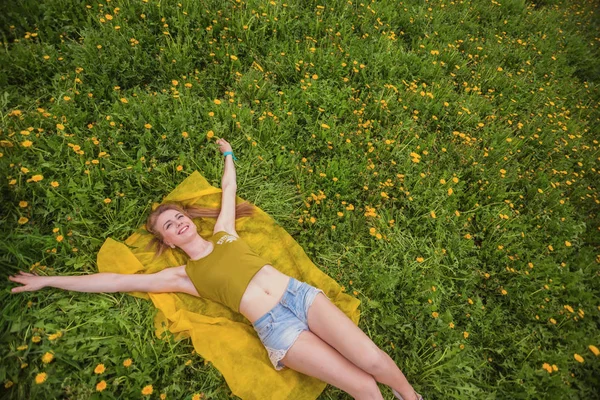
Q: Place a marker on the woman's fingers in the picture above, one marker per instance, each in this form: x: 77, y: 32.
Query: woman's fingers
x: 17, y: 278
x: 26, y: 279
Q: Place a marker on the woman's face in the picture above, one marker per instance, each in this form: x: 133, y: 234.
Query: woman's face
x: 175, y: 227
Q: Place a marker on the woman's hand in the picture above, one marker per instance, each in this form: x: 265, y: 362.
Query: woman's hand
x: 30, y: 282
x: 224, y: 145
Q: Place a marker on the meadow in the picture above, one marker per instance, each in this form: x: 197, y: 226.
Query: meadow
x: 439, y: 159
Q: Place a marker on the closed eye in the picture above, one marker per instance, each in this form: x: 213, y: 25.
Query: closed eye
x: 169, y: 225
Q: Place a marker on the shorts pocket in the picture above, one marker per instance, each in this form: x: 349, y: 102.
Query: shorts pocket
x: 293, y: 286
x: 264, y: 331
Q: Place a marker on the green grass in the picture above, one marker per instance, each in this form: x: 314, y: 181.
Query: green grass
x: 325, y: 109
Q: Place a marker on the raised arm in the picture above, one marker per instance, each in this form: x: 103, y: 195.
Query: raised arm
x: 226, y: 220
x: 168, y: 280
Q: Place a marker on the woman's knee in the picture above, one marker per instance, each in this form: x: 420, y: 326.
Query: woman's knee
x: 374, y: 361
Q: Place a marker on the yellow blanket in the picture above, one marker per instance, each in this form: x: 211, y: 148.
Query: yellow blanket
x: 220, y: 335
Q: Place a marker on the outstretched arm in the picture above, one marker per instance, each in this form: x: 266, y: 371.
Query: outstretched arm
x: 168, y: 280
x: 226, y: 220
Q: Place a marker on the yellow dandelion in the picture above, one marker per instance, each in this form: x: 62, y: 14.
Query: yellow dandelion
x: 174, y: 82
x: 433, y: 214
x: 47, y: 357
x: 233, y: 57
x: 547, y: 367
x: 504, y: 292
x: 99, y: 369
x: 59, y: 238
x: 315, y: 76
x: 420, y: 259
x: 124, y: 100
x: 451, y: 325
x: 217, y: 101
x: 210, y: 134
x: 23, y: 347
x: 184, y: 134
x: 107, y: 200
x: 179, y: 168
x: 66, y: 98
x: 23, y: 204
x: 36, y: 339
x: 163, y: 396
x: 147, y: 126
x: 578, y: 357
x: 594, y: 350
x: 196, y: 396
x: 552, y: 320
x: 54, y: 184
x: 37, y: 178
x: 26, y: 143
x: 465, y: 334
x: 101, y: 386
x: 434, y: 314
x: 567, y: 243
x: 127, y: 363
x: 60, y: 127
x: 41, y: 378
x: 23, y: 220
x: 568, y: 307
x: 147, y: 390
x: 325, y: 126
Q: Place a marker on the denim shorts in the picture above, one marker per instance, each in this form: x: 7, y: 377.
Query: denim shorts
x: 279, y: 328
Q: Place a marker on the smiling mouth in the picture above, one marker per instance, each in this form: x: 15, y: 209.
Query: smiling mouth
x: 185, y: 228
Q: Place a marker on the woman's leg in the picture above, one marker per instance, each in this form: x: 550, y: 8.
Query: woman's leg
x: 312, y: 356
x: 335, y: 328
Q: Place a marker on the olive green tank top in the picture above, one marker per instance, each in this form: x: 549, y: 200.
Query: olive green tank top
x: 225, y: 273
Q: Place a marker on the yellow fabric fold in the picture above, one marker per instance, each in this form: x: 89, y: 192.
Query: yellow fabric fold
x: 220, y: 335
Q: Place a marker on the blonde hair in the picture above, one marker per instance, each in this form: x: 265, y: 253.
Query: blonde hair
x: 244, y: 209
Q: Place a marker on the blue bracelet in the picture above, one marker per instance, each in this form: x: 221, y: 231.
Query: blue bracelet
x: 230, y: 152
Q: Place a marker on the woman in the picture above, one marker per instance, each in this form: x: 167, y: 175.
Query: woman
x: 299, y: 326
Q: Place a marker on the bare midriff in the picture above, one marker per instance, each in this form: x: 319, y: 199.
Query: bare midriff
x: 263, y: 293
